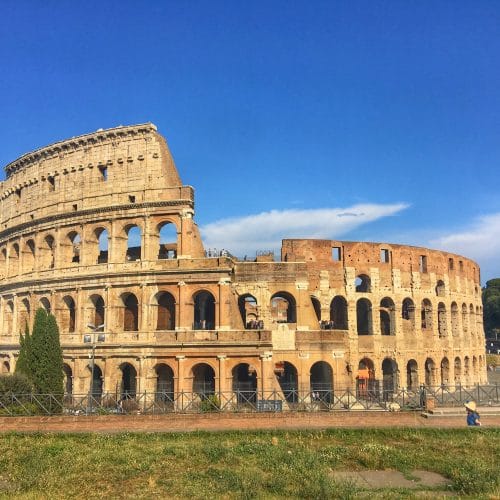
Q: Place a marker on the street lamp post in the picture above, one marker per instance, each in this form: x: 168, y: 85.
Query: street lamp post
x: 91, y: 339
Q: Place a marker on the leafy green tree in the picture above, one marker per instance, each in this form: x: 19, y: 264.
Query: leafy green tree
x: 491, y: 306
x: 45, y: 360
x: 24, y: 359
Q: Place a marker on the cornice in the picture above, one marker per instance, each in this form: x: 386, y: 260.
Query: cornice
x: 75, y: 143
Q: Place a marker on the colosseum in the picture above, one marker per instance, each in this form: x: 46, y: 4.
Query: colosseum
x: 100, y: 231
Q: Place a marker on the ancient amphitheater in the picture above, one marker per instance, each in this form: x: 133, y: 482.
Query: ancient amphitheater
x: 99, y: 230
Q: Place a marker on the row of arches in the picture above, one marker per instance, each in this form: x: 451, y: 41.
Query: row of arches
x: 447, y: 372
x: 362, y: 284
x: 47, y: 252
x: 282, y: 309
x: 129, y: 311
x: 202, y: 377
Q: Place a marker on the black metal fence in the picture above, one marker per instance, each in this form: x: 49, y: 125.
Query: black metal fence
x: 373, y: 398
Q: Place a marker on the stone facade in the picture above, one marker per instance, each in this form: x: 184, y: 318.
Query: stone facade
x: 99, y: 230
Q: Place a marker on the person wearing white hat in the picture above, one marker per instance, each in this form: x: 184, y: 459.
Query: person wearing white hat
x: 472, y: 415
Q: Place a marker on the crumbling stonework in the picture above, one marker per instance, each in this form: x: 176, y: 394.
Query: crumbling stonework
x: 99, y: 230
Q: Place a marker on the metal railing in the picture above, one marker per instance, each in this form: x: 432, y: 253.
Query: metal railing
x: 288, y: 399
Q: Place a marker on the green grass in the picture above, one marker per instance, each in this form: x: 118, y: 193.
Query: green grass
x: 241, y: 464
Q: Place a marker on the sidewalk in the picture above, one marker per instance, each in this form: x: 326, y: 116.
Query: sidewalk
x: 236, y: 421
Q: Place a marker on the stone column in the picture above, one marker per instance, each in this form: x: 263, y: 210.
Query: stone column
x: 182, y: 318
x: 180, y: 385
x: 264, y: 382
x: 79, y: 311
x: 224, y: 385
x: 222, y: 319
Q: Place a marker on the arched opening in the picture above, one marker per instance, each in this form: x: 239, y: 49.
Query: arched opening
x: 68, y: 380
x: 97, y: 314
x: 364, y: 317
x: 29, y: 256
x: 390, y: 378
x: 465, y: 326
x: 440, y: 289
x: 101, y: 235
x: 3, y: 262
x: 387, y: 319
x: 467, y: 370
x: 130, y: 313
x: 8, y: 320
x: 454, y: 320
x: 74, y: 247
x: 458, y: 371
x: 321, y: 381
x: 472, y: 320
x: 366, y: 384
x: 289, y: 381
x: 133, y: 243
x: 442, y: 330
x: 5, y: 367
x: 283, y: 309
x: 203, y: 379
x: 430, y: 372
x: 204, y: 311
x: 96, y: 382
x: 412, y: 375
x: 363, y: 283
x: 244, y: 383
x: 68, y: 319
x: 24, y: 315
x: 445, y: 372
x: 13, y: 263
x: 247, y: 304
x: 164, y: 383
x: 45, y: 303
x: 426, y: 314
x: 339, y: 313
x: 128, y: 386
x: 317, y: 307
x: 166, y: 311
x: 408, y: 315
x: 47, y: 253
x: 168, y: 241
x: 475, y: 368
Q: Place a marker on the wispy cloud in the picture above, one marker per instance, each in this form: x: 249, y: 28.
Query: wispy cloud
x: 480, y: 241
x: 264, y: 231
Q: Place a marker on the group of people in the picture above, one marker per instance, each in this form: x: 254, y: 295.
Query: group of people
x: 255, y: 325
x: 213, y: 252
x: 326, y: 325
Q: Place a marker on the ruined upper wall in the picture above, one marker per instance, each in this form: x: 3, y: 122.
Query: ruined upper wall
x: 106, y: 168
x: 363, y: 256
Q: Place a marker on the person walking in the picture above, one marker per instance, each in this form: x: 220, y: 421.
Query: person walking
x: 472, y: 415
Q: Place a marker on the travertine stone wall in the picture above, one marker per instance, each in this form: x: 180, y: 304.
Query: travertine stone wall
x: 174, y: 317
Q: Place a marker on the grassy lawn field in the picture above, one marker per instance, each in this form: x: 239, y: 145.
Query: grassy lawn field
x: 242, y: 464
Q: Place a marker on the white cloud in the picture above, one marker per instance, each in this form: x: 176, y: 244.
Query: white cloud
x: 264, y: 231
x: 480, y: 241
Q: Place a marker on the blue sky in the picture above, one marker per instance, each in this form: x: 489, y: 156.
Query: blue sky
x: 375, y: 120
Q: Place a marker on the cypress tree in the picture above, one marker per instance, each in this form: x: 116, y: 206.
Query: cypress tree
x: 45, y: 363
x: 55, y: 359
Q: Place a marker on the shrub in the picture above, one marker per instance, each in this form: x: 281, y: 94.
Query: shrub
x: 15, y: 383
x: 210, y: 403
x: 129, y: 405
